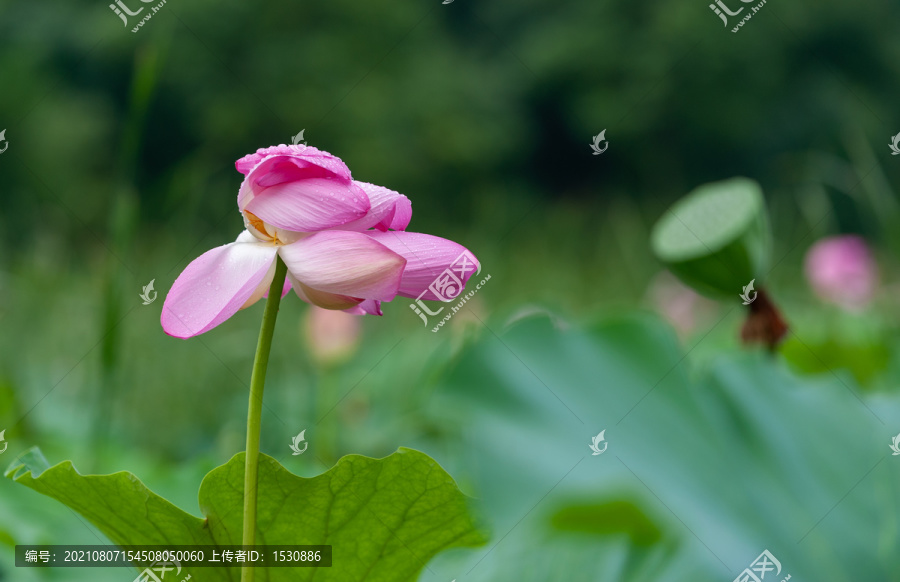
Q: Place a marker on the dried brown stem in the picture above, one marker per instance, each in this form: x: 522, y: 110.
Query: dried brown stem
x: 764, y: 324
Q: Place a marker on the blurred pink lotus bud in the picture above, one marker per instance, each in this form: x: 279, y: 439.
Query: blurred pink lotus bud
x: 680, y: 305
x: 332, y: 335
x: 841, y: 270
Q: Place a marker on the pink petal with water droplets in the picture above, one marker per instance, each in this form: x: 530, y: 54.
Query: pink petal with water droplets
x: 345, y: 263
x: 427, y: 259
x: 323, y: 158
x: 216, y: 285
x: 302, y: 193
x: 389, y: 210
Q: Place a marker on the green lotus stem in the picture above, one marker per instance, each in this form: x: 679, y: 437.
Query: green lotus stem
x: 254, y: 411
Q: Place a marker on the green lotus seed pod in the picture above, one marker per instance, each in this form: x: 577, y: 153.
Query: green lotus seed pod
x: 717, y: 238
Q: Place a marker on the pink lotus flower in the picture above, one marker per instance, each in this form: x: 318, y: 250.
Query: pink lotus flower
x: 841, y: 271
x: 342, y: 241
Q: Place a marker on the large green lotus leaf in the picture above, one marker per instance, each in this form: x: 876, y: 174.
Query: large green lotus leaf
x: 385, y: 518
x: 707, y: 465
x: 717, y: 238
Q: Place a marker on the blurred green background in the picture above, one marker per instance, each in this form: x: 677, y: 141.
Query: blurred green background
x: 120, y: 169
